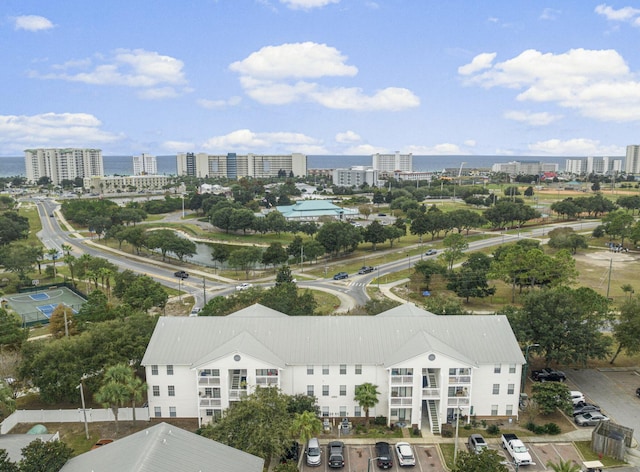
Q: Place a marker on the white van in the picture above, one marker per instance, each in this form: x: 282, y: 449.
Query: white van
x: 313, y: 452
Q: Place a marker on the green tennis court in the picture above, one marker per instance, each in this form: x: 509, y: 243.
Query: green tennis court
x: 37, y: 307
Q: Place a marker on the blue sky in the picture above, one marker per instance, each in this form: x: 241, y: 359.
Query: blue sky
x: 505, y: 77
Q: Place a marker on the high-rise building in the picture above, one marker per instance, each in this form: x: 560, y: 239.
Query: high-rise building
x: 632, y: 162
x: 145, y: 164
x: 524, y: 167
x: 389, y: 163
x: 355, y: 176
x: 63, y: 164
x: 235, y: 166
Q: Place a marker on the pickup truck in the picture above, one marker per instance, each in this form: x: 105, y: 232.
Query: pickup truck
x: 516, y: 449
x: 336, y: 454
x: 548, y: 375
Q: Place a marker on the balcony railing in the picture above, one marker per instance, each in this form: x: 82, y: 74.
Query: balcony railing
x: 459, y: 379
x: 208, y: 380
x: 210, y: 402
x: 401, y: 379
x: 237, y: 394
x: 403, y: 401
x: 430, y: 393
x: 458, y: 401
x: 267, y: 381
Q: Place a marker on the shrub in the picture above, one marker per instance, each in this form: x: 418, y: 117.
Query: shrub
x: 552, y: 428
x: 493, y: 430
x: 380, y: 420
x: 531, y: 426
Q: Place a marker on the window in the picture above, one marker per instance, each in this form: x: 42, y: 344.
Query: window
x: 172, y: 390
x: 509, y: 410
x: 208, y: 392
x: 157, y: 412
x: 494, y: 410
x: 357, y: 411
x: 325, y: 370
x: 310, y: 390
x: 401, y: 391
x: 309, y: 370
x: 154, y: 370
x: 496, y: 389
x: 156, y: 390
x: 343, y: 369
x: 343, y: 390
x: 217, y: 414
x: 512, y: 368
x: 266, y: 372
x: 343, y: 411
x: 402, y: 371
x: 325, y: 411
x: 172, y: 411
x: 497, y: 368
x: 216, y: 393
x: 510, y: 389
x: 209, y: 412
x: 358, y: 369
x: 210, y: 373
x: 169, y: 370
x: 325, y: 390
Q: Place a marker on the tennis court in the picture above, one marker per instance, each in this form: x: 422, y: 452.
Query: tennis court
x: 37, y: 307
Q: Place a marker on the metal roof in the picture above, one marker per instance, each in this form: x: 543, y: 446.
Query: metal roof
x: 164, y: 448
x: 386, y: 339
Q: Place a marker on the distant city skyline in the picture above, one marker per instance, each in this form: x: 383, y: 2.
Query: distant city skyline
x: 338, y: 77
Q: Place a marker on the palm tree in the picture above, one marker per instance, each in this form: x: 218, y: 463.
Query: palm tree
x: 53, y: 252
x: 70, y: 260
x: 66, y: 248
x: 367, y: 397
x: 564, y: 466
x: 113, y: 395
x: 137, y: 388
x: 125, y: 375
x: 306, y: 425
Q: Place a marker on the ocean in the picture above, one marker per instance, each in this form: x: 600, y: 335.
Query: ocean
x: 123, y: 165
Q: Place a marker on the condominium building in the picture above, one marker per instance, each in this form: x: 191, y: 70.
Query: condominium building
x: 234, y: 166
x: 593, y: 165
x: 127, y: 183
x: 355, y: 176
x: 426, y: 367
x: 145, y: 164
x: 388, y: 163
x: 62, y: 164
x: 632, y: 161
x: 524, y: 167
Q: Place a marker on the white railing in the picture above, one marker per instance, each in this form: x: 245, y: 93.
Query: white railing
x: 266, y: 380
x: 460, y: 379
x: 210, y: 402
x: 209, y: 381
x: 401, y: 379
x: 458, y: 401
x: 431, y: 393
x: 237, y: 394
x: 404, y: 401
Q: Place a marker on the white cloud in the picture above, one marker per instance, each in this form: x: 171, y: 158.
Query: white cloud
x: 550, y: 14
x: 158, y: 76
x: 32, y: 23
x: 18, y: 132
x: 178, y: 146
x: 307, y: 4
x: 245, y: 139
x: 480, y: 62
x: 470, y: 143
x: 626, y: 14
x: 365, y: 149
x: 437, y: 150
x: 575, y: 147
x: 348, y: 137
x: 533, y: 119
x: 214, y: 104
x: 596, y: 83
x: 279, y: 75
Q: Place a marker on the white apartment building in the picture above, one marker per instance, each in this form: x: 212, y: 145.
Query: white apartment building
x: 145, y: 164
x: 127, y: 183
x: 389, y: 163
x: 593, y: 165
x: 62, y: 164
x: 524, y: 167
x: 426, y: 367
x: 355, y: 176
x: 233, y: 166
x: 632, y: 161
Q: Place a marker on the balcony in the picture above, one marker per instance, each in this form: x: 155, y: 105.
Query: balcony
x: 209, y: 401
x: 457, y: 401
x: 401, y: 379
x: 431, y: 393
x: 268, y: 381
x: 459, y: 380
x: 202, y: 380
x: 237, y: 394
x: 401, y: 401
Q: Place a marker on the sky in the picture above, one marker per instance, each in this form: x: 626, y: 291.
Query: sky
x: 335, y: 77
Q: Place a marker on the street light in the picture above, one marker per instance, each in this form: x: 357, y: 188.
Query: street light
x: 526, y: 365
x: 84, y: 411
x: 455, y: 445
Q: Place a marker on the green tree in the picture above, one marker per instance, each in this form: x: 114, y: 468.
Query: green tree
x: 12, y: 227
x: 338, y: 236
x: 62, y: 322
x: 245, y: 258
x: 285, y: 299
x: 471, y: 279
x: 113, y: 395
x: 220, y: 253
x: 18, y: 259
x: 284, y: 275
x: 618, y: 224
x: 41, y: 456
x: 455, y: 245
x: 419, y: 226
x: 428, y: 269
x: 567, y: 238
x: 145, y: 293
x: 564, y: 466
x: 274, y: 255
x: 550, y: 396
x: 375, y: 234
x: 626, y: 328
x: 258, y: 424
x: 366, y: 395
x: 7, y: 402
x: 5, y: 463
x: 12, y: 334
x: 123, y: 374
x: 487, y: 461
x: 305, y: 426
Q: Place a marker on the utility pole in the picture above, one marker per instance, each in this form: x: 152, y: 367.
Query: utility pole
x: 204, y: 290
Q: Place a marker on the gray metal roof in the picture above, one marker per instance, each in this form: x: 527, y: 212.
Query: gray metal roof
x: 13, y: 443
x: 386, y: 339
x: 164, y: 448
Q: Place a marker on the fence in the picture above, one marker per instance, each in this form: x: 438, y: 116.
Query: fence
x: 70, y: 416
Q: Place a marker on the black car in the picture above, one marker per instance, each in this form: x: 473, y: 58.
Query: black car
x: 637, y: 392
x: 181, y: 274
x: 336, y: 454
x: 340, y: 275
x: 584, y: 408
x: 366, y: 270
x: 548, y: 375
x: 383, y: 453
x: 292, y: 453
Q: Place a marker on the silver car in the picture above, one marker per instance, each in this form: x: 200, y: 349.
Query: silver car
x: 590, y: 419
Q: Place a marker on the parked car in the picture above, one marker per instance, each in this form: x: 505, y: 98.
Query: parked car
x: 382, y: 214
x: 366, y: 270
x: 383, y: 453
x: 291, y: 454
x: 637, y: 392
x: 405, y: 455
x: 576, y: 397
x: 194, y: 311
x: 181, y: 274
x: 244, y: 286
x: 431, y: 252
x: 476, y: 443
x: 340, y: 276
x: 548, y: 375
x: 590, y: 419
x: 314, y: 453
x: 584, y: 408
x: 336, y: 454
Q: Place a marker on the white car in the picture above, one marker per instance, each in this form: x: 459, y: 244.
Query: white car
x: 405, y: 455
x: 244, y: 286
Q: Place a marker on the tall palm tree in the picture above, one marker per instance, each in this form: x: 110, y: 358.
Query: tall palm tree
x: 367, y: 397
x: 70, y: 260
x: 123, y: 374
x: 53, y: 252
x: 137, y: 388
x: 66, y: 248
x: 564, y: 466
x: 113, y: 395
x: 306, y: 425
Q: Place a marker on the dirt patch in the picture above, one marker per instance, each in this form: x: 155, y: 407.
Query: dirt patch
x: 605, y: 258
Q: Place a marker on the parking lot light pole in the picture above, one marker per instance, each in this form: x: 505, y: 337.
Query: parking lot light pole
x: 84, y: 410
x: 370, y: 460
x: 455, y: 445
x: 526, y: 365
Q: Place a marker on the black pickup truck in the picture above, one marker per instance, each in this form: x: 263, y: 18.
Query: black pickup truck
x: 548, y: 375
x: 336, y: 454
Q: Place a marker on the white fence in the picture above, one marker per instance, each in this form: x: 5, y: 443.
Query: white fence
x: 70, y: 416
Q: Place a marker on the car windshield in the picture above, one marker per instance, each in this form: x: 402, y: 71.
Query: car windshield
x: 313, y: 451
x: 519, y: 449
